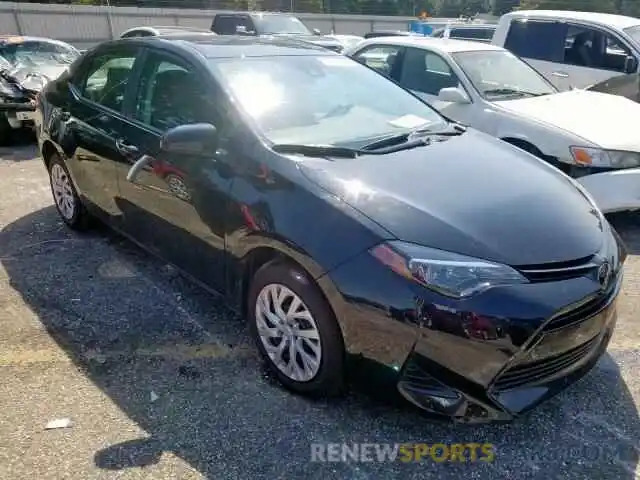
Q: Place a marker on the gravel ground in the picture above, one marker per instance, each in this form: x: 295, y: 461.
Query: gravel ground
x: 160, y: 380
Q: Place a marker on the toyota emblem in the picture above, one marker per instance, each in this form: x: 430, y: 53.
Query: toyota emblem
x: 604, y: 274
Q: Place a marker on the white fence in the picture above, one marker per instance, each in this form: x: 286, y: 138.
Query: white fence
x: 84, y: 26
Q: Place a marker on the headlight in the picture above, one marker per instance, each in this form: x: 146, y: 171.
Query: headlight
x: 596, y: 157
x: 447, y: 273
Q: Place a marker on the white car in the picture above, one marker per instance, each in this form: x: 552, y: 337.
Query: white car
x: 349, y: 41
x: 591, y: 136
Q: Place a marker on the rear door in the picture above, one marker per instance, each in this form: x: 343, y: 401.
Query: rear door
x: 541, y: 43
x: 94, y: 122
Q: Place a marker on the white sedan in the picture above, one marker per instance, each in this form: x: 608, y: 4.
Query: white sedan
x: 591, y: 136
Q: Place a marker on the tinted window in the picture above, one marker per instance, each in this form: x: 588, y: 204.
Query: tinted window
x: 426, y: 72
x: 230, y: 24
x: 321, y: 99
x: 537, y: 40
x: 171, y: 94
x: 383, y: 58
x: 593, y: 48
x: 472, y: 33
x: 106, y: 79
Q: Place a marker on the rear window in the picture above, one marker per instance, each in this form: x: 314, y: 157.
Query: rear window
x: 474, y: 33
x: 537, y: 40
x: 228, y: 24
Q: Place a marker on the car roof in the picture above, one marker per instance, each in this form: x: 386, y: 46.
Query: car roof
x: 443, y: 45
x: 617, y: 21
x: 229, y: 46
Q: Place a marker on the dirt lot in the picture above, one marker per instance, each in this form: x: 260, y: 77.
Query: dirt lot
x: 160, y: 381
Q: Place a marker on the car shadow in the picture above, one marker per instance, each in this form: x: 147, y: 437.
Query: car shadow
x: 181, y: 366
x: 22, y: 148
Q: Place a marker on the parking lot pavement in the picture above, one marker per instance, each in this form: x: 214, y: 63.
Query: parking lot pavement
x: 160, y: 381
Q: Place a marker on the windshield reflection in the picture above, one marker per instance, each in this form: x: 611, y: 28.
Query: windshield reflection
x: 321, y: 100
x: 500, y: 75
x: 282, y: 24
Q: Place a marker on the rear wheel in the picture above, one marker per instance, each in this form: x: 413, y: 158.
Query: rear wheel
x: 296, y: 331
x: 65, y: 196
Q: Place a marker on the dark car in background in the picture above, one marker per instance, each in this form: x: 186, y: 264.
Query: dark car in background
x: 271, y: 24
x: 341, y: 216
x: 26, y: 65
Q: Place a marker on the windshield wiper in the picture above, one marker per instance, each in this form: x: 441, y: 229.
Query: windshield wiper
x: 418, y: 133
x: 511, y: 91
x: 316, y: 150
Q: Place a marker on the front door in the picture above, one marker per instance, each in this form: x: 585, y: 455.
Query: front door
x: 177, y: 205
x: 93, y: 123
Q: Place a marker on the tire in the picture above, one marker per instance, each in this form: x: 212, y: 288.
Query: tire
x: 65, y: 196
x: 325, y: 378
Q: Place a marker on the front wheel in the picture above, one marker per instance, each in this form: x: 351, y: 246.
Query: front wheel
x: 295, y: 330
x: 65, y: 196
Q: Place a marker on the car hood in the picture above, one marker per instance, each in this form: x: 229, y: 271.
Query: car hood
x: 472, y: 195
x: 597, y: 117
x: 34, y: 77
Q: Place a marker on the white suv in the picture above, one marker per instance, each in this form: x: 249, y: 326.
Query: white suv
x: 572, y: 49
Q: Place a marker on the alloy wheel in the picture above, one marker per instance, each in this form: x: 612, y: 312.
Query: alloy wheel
x: 63, y: 192
x: 288, y: 332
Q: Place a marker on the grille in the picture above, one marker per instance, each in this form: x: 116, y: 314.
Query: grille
x: 580, y: 313
x: 562, y: 271
x: 537, y: 372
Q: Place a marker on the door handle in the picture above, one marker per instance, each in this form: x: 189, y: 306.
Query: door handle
x: 142, y: 162
x: 560, y: 74
x: 125, y: 148
x: 65, y: 116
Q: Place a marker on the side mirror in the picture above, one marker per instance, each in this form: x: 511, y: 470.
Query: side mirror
x: 630, y: 64
x: 453, y: 95
x: 199, y: 139
x: 316, y: 31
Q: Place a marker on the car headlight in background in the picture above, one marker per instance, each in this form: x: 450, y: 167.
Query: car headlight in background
x: 449, y: 274
x: 596, y: 157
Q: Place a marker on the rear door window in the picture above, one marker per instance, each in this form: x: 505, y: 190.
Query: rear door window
x: 537, y: 40
x: 106, y: 78
x: 231, y: 24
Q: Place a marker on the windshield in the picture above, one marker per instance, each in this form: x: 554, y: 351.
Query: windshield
x: 38, y: 52
x: 281, y: 24
x: 499, y: 75
x: 634, y: 33
x: 321, y: 100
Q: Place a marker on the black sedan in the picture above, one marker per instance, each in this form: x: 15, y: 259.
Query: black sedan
x: 341, y: 216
